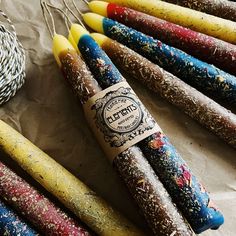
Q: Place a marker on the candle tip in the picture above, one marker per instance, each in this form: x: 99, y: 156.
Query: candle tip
x: 60, y: 44
x: 98, y: 7
x: 94, y: 21
x: 99, y: 38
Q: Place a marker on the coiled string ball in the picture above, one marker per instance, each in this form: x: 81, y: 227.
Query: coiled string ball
x: 12, y: 60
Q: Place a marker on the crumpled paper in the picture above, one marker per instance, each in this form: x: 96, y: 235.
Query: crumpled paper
x: 46, y: 112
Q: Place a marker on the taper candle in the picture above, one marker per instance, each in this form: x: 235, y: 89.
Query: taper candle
x: 170, y: 167
x: 204, y: 110
x: 195, y: 20
x: 201, y: 46
x: 35, y: 207
x: 195, y: 72
x: 11, y: 224
x: 222, y: 8
x: 93, y: 56
x: 144, y: 185
x: 74, y: 194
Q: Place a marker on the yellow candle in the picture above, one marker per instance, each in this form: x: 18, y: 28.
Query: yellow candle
x: 75, y: 195
x: 99, y: 38
x: 198, y: 21
x: 76, y: 32
x: 94, y: 21
x: 60, y: 44
x: 99, y: 7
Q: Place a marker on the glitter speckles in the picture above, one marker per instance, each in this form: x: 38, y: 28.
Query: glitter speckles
x: 223, y: 9
x: 99, y: 63
x: 150, y: 194
x: 155, y: 144
x: 185, y: 177
x: 35, y: 207
x: 11, y: 224
x: 78, y: 76
x: 165, y: 160
x: 195, y: 72
x: 209, y: 49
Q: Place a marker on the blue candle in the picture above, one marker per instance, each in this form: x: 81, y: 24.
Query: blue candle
x: 199, y: 74
x: 173, y: 171
x: 11, y: 224
x: 136, y: 172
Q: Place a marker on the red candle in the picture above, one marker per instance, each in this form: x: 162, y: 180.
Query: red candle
x: 212, y: 50
x: 42, y: 213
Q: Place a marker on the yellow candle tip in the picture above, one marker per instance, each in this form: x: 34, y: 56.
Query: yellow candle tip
x: 99, y: 38
x: 60, y: 44
x: 98, y: 7
x: 77, y: 31
x: 94, y: 21
x: 73, y: 43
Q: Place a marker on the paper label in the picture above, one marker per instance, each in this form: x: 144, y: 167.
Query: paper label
x: 119, y: 119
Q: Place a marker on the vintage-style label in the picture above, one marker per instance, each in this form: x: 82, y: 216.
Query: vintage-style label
x: 119, y: 119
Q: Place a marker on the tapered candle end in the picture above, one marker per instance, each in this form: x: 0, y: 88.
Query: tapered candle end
x: 94, y: 21
x: 60, y: 44
x: 73, y: 43
x: 98, y: 7
x: 99, y: 38
x: 76, y: 32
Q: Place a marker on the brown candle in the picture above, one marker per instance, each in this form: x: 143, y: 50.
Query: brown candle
x: 198, y: 106
x: 222, y: 8
x: 173, y: 171
x: 145, y: 187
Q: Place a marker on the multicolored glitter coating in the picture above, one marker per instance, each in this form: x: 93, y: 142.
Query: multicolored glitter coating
x: 98, y: 62
x: 195, y: 20
x: 173, y: 171
x: 78, y: 76
x: 204, y: 110
x: 136, y: 172
x: 150, y: 194
x: 74, y: 194
x: 186, y: 191
x: 201, y: 46
x: 224, y: 9
x: 193, y: 71
x: 11, y: 224
x: 37, y: 209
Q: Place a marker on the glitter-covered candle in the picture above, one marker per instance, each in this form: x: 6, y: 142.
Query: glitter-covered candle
x: 136, y: 172
x: 204, y: 110
x: 36, y: 208
x: 211, y: 50
x: 168, y: 164
x: 74, y: 194
x: 11, y: 224
x: 222, y: 8
x: 195, y: 20
x: 201, y: 75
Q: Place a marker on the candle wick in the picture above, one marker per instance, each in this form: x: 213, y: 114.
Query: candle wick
x: 85, y: 1
x: 52, y: 28
x: 73, y: 13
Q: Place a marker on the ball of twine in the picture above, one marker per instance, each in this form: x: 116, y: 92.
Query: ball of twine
x: 12, y: 61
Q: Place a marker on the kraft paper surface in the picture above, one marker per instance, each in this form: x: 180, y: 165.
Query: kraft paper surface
x: 46, y: 112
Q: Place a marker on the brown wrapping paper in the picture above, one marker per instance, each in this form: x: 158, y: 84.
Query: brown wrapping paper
x: 45, y: 111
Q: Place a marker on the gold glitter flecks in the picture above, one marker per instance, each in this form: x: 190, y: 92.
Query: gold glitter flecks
x: 220, y: 79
